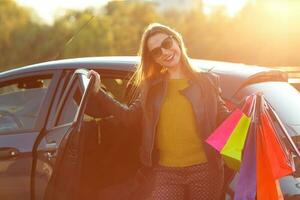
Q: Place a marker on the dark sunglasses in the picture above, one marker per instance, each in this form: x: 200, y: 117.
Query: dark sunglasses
x: 167, y: 43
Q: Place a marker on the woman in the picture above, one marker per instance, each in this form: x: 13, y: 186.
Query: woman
x: 178, y: 108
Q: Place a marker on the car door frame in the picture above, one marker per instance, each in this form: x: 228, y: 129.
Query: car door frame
x: 66, y: 87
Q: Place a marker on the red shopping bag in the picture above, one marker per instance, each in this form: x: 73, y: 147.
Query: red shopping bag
x: 274, y: 151
x: 282, y: 132
x: 267, y: 186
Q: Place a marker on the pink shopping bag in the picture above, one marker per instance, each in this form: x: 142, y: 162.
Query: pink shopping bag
x: 220, y: 136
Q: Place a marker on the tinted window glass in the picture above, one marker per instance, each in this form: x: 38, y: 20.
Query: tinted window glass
x: 115, y: 87
x: 20, y: 102
x: 72, y: 102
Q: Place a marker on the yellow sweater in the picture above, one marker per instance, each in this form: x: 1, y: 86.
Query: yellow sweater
x: 177, y: 140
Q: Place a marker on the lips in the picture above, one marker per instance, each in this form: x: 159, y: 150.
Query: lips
x: 169, y: 58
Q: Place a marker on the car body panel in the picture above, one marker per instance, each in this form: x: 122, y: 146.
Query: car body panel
x: 15, y: 177
x: 226, y: 70
x: 16, y: 167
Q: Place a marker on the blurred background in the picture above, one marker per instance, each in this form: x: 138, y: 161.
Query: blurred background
x: 258, y: 32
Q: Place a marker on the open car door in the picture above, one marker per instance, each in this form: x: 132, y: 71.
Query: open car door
x: 60, y: 147
x: 65, y: 180
x: 87, y: 156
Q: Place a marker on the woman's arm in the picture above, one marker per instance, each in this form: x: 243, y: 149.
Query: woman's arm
x: 222, y: 110
x: 101, y: 104
x: 127, y: 114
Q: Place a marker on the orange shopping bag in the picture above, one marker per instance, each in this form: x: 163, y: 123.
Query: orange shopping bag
x: 273, y: 149
x: 267, y: 185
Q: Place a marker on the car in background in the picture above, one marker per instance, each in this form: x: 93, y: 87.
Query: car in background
x: 52, y: 147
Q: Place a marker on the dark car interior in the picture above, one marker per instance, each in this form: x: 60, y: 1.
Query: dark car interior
x: 103, y: 155
x: 110, y: 162
x: 111, y: 158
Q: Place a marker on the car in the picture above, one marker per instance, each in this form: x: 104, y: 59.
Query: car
x: 52, y: 147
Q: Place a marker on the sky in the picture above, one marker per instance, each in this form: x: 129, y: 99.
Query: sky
x: 47, y: 9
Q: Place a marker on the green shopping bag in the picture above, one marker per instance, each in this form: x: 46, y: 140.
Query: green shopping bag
x: 232, y: 150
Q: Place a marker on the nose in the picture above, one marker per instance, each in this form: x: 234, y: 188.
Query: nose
x: 165, y: 51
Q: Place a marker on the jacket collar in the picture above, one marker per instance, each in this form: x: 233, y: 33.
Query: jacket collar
x: 165, y: 76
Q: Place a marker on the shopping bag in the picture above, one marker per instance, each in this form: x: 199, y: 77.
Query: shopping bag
x: 249, y: 105
x: 274, y: 150
x: 267, y: 186
x: 279, y: 192
x: 245, y: 188
x: 288, y: 147
x: 282, y: 132
x: 220, y: 136
x: 232, y: 150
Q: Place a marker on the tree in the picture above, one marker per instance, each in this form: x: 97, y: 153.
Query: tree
x: 13, y: 20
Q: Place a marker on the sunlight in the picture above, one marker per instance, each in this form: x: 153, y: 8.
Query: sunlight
x: 232, y: 6
x: 284, y: 9
x: 48, y: 9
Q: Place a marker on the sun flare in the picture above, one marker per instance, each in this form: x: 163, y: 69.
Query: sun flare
x: 232, y: 6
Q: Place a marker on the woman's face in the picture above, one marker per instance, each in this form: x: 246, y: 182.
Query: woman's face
x: 164, y: 49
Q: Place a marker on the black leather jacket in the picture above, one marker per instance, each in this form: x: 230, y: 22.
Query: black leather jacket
x: 204, y: 94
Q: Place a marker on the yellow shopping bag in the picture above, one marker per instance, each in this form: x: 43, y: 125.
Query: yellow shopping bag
x: 232, y: 150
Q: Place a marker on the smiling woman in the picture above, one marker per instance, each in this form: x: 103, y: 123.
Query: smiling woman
x: 171, y: 107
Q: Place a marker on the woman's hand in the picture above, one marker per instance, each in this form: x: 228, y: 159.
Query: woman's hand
x: 97, y: 84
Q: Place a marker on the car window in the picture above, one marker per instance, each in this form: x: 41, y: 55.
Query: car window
x: 116, y: 87
x: 20, y: 102
x: 72, y: 102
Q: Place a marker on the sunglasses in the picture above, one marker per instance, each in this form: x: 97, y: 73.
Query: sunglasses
x: 167, y: 43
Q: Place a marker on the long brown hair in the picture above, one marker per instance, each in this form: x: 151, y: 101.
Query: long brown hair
x: 148, y: 68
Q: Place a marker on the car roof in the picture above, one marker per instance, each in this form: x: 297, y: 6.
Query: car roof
x: 233, y: 76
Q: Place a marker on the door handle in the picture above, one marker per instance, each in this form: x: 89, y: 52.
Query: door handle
x: 51, y: 149
x: 8, y: 152
x: 52, y: 146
